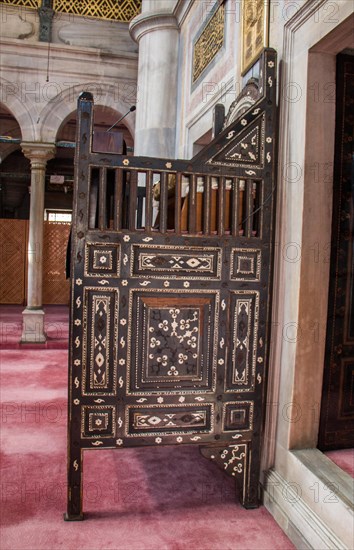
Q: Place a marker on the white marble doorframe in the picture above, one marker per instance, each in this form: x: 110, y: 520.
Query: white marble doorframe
x: 293, y: 468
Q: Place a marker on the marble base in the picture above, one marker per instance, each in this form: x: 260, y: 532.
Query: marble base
x: 33, y: 327
x: 314, y: 508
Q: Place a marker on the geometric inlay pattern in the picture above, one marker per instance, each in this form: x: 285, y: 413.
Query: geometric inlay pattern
x: 100, y: 327
x: 246, y: 151
x: 244, y: 329
x: 245, y: 264
x: 170, y: 262
x: 169, y: 419
x: 98, y: 421
x: 238, y: 416
x: 168, y: 331
x: 102, y: 260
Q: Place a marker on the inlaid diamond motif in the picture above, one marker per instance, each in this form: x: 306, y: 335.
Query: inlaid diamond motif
x: 193, y: 262
x: 99, y: 360
x: 154, y: 420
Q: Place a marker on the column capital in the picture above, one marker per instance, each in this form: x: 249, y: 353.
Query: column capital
x: 151, y: 21
x: 38, y: 152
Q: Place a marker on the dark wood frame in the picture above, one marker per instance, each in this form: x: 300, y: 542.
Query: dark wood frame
x: 220, y: 283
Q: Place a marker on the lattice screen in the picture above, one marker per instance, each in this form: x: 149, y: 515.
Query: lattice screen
x: 123, y: 10
x: 55, y: 285
x: 13, y: 238
x: 34, y: 4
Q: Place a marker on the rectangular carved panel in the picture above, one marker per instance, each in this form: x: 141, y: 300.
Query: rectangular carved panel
x: 176, y: 261
x: 238, y: 416
x: 254, y: 31
x: 98, y: 421
x: 56, y: 287
x: 100, y: 341
x: 171, y: 340
x: 13, y: 235
x: 241, y: 368
x: 169, y: 419
x: 245, y: 264
x: 209, y: 42
x: 102, y: 260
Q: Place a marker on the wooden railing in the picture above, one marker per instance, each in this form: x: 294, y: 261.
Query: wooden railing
x: 154, y: 201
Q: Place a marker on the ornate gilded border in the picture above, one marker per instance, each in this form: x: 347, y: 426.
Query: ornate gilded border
x: 255, y: 30
x: 209, y: 42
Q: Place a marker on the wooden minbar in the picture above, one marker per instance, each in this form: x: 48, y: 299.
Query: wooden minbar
x: 170, y: 296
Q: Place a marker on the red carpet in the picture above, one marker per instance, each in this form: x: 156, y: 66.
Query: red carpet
x: 159, y: 498
x: 56, y: 328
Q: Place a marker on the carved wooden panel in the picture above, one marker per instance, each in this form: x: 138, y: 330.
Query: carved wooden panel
x: 98, y: 421
x: 13, y: 252
x: 240, y: 376
x: 100, y: 333
x: 171, y: 341
x: 169, y: 312
x: 245, y: 264
x: 248, y: 149
x: 101, y: 260
x: 164, y: 420
x: 55, y: 285
x: 176, y: 261
x: 238, y: 415
x: 13, y: 259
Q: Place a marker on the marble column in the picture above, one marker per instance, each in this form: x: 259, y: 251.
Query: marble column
x: 156, y: 31
x: 33, y: 315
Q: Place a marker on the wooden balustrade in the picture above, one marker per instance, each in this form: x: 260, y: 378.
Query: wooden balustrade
x: 150, y: 201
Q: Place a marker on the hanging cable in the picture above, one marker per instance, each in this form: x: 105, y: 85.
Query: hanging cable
x: 261, y: 206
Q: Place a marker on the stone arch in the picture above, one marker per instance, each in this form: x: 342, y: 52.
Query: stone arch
x: 64, y: 104
x: 6, y: 150
x: 21, y: 107
x: 9, y: 128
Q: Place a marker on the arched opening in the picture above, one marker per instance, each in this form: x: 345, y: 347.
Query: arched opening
x: 14, y: 168
x: 15, y: 195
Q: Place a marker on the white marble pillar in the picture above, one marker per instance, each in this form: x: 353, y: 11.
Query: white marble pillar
x: 156, y: 31
x: 33, y: 315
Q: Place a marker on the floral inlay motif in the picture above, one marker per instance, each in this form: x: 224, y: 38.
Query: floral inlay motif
x: 173, y: 342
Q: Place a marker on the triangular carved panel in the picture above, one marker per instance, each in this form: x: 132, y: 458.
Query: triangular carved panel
x: 245, y: 149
